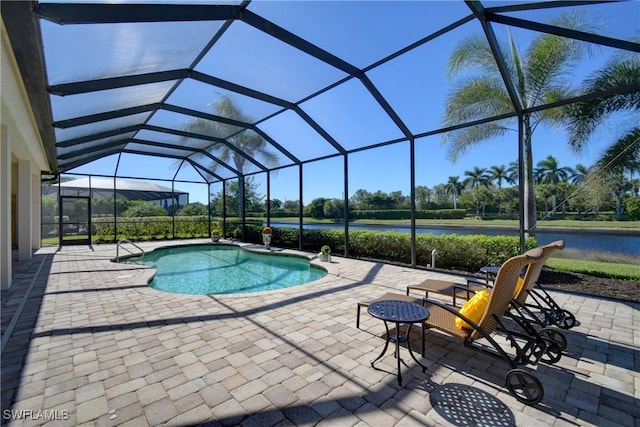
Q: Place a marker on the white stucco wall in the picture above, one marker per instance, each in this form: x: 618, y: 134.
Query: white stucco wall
x: 21, y: 145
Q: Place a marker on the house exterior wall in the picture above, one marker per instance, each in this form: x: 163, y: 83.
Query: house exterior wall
x: 22, y: 159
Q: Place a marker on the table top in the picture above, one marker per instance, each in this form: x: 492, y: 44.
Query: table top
x: 491, y: 269
x: 398, y: 311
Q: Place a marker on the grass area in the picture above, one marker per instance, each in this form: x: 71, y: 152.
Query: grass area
x: 601, y: 264
x: 597, y: 268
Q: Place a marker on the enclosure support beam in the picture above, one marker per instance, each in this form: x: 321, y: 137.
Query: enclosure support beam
x: 224, y: 208
x: 268, y: 198
x: 300, y: 206
x: 346, y: 205
x: 412, y: 179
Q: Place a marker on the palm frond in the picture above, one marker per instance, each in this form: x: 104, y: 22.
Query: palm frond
x: 550, y: 58
x: 585, y: 117
x: 624, y: 154
x: 461, y: 140
x: 476, y: 98
x: 472, y: 53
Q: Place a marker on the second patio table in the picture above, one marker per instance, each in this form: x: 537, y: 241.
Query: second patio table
x: 399, y: 312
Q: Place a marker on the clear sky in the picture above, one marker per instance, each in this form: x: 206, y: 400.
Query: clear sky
x: 415, y: 84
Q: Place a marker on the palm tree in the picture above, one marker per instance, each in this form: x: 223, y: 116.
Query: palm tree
x: 539, y: 78
x: 239, y: 141
x: 549, y: 172
x: 475, y: 178
x: 499, y: 174
x: 578, y: 175
x: 513, y: 172
x: 586, y: 117
x: 454, y: 187
x: 623, y: 155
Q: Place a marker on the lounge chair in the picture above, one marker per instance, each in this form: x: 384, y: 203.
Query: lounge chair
x: 521, y: 384
x: 540, y: 300
x: 531, y: 299
x: 537, y: 298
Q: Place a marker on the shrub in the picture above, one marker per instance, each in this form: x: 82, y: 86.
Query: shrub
x: 466, y: 253
x: 633, y: 208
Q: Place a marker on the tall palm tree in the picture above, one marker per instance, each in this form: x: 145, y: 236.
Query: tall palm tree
x: 539, y: 75
x: 246, y: 141
x: 586, y: 117
x: 548, y: 171
x: 499, y: 174
x: 513, y: 172
x: 238, y: 140
x: 578, y: 175
x: 454, y: 187
x: 475, y: 178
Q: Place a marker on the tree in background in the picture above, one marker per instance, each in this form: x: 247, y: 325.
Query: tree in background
x: 192, y: 209
x: 333, y: 208
x: 476, y: 178
x: 423, y: 196
x: 540, y: 76
x: 254, y: 201
x: 578, y: 174
x: 291, y: 205
x: 499, y: 174
x: 549, y: 172
x: 454, y: 188
x: 315, y: 209
x: 139, y: 208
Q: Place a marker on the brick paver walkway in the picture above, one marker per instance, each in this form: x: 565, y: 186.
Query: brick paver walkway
x: 93, y: 345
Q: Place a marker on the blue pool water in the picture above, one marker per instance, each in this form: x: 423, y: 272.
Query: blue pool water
x: 219, y: 269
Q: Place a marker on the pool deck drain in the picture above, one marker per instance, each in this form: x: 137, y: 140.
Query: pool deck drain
x: 95, y: 347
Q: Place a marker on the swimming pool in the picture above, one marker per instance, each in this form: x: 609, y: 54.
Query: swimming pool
x: 225, y: 269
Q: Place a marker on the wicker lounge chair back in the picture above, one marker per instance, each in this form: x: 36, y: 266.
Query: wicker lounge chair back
x: 503, y: 289
x: 533, y: 272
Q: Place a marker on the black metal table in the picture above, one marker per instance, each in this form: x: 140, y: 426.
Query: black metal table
x: 490, y: 271
x: 399, y: 312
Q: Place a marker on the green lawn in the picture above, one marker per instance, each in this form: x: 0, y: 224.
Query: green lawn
x: 597, y: 268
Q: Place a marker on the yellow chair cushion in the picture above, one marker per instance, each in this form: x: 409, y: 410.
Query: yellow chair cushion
x: 518, y: 288
x: 473, y: 309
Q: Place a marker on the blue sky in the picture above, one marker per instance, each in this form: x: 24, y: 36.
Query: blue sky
x: 414, y: 84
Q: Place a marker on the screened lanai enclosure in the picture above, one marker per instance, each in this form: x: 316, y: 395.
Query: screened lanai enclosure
x: 261, y: 107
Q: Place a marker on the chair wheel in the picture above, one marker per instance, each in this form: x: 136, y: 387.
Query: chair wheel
x: 565, y: 320
x: 552, y: 352
x: 554, y: 335
x: 542, y: 349
x: 524, y: 386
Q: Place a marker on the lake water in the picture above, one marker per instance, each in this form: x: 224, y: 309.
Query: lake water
x: 625, y: 242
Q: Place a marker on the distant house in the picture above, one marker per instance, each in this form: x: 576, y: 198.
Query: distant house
x: 105, y: 188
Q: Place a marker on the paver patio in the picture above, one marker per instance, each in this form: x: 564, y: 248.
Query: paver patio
x: 93, y: 345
